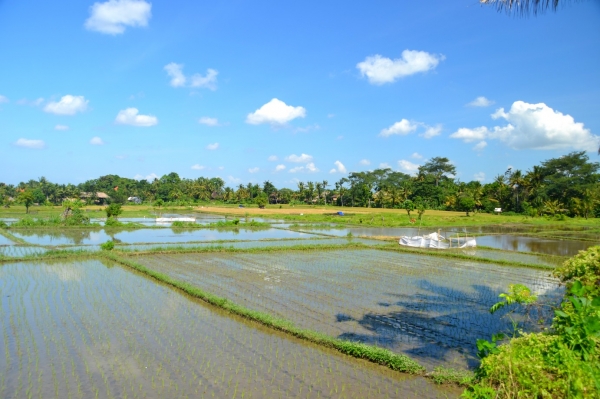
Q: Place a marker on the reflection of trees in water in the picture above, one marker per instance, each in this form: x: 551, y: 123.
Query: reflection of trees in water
x: 76, y: 236
x: 439, y: 322
x: 233, y: 231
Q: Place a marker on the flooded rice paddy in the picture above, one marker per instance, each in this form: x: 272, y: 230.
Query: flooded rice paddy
x: 431, y: 308
x: 93, y: 329
x: 509, y: 242
x: 164, y: 235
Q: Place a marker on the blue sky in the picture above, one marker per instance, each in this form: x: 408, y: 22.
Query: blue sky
x: 288, y: 91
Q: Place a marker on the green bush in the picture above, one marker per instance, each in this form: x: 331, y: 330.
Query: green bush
x: 113, y: 210
x: 561, y: 363
x: 585, y: 267
x: 112, y: 222
x: 535, y: 366
x: 107, y: 246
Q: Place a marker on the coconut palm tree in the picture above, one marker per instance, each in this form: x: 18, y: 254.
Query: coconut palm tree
x: 524, y: 7
x: 325, y: 184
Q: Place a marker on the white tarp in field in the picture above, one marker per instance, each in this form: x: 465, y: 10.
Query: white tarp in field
x: 434, y: 240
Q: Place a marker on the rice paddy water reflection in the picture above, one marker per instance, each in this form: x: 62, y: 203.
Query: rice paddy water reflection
x: 430, y: 308
x: 90, y: 329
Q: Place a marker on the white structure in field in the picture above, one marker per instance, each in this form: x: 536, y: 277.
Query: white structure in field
x: 434, y: 240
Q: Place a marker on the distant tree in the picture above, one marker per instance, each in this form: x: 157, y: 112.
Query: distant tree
x: 261, y: 200
x: 26, y: 198
x: 268, y: 187
x: 409, y: 206
x: 158, y: 203
x: 113, y: 210
x: 466, y: 204
x: 325, y: 184
x: 566, y: 178
x: 438, y: 167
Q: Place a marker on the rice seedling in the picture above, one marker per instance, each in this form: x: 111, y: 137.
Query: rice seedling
x: 80, y: 329
x: 428, y: 307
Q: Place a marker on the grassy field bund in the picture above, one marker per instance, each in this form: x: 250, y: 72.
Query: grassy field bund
x: 319, y: 213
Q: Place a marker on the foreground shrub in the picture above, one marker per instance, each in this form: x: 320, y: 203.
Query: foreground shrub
x: 536, y: 366
x: 561, y: 363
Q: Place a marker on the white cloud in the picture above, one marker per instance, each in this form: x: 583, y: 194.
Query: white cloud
x: 402, y: 128
x: 339, y: 168
x: 534, y: 126
x: 538, y: 126
x: 96, y: 141
x: 113, y: 16
x: 121, y: 156
x: 131, y: 116
x: 470, y: 135
x: 479, y: 176
x: 208, y: 81
x: 33, y: 144
x: 279, y: 167
x: 380, y: 70
x: 68, y: 105
x: 205, y: 120
x: 253, y: 170
x: 416, y: 155
x: 480, y: 102
x: 302, y: 158
x: 178, y: 79
x: 480, y: 146
x: 3, y: 99
x: 175, y: 72
x: 431, y: 131
x: 365, y: 162
x: 234, y: 179
x: 275, y: 112
x: 61, y: 127
x: 384, y: 165
x: 407, y: 167
x: 310, y: 167
x: 198, y: 167
x: 273, y: 158
x: 212, y: 146
x: 149, y: 177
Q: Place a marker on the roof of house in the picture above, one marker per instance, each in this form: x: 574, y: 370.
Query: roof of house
x: 99, y: 195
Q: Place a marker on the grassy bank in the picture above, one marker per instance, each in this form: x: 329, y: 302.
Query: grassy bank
x: 372, y: 217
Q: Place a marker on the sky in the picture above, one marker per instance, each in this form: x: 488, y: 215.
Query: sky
x: 291, y: 91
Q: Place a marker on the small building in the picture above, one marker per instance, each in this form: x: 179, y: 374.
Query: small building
x: 135, y: 200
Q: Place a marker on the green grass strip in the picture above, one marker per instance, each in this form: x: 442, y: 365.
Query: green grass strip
x: 221, y: 248
x: 371, y: 353
x: 11, y: 237
x: 454, y: 255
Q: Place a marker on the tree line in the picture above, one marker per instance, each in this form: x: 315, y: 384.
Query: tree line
x: 568, y: 185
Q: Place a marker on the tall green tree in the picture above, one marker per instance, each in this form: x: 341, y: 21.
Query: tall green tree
x: 438, y: 167
x: 26, y: 198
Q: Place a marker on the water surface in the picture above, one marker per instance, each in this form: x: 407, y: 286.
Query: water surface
x: 92, y: 329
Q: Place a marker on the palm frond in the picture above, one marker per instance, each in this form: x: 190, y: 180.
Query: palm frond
x: 524, y: 7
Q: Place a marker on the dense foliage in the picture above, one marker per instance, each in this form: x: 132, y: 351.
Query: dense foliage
x: 563, y: 362
x: 559, y: 187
